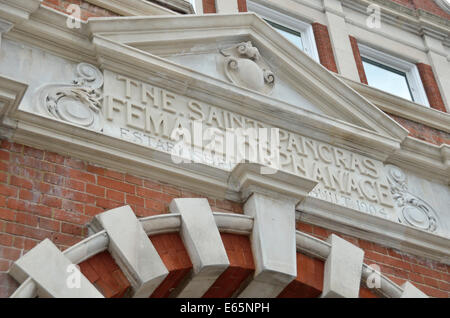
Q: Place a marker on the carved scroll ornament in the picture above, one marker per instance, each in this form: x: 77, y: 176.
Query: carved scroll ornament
x: 414, y: 211
x: 77, y: 103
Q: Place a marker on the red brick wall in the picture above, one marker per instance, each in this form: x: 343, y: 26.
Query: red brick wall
x: 324, y: 47
x: 358, y: 60
x: 209, y: 6
x: 242, y: 5
x: 87, y: 10
x: 422, y: 132
x: 241, y: 267
x: 431, y: 277
x: 46, y: 195
x: 104, y: 273
x: 406, y: 3
x: 173, y: 253
x: 431, y: 87
x: 309, y: 281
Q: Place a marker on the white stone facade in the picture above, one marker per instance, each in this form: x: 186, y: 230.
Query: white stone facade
x: 150, y: 95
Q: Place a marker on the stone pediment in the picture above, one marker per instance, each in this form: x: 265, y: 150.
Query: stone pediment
x: 205, y: 44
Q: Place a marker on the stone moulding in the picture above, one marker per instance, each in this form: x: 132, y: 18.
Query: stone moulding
x: 375, y: 229
x: 138, y: 7
x: 418, y: 20
x: 11, y: 94
x: 226, y: 223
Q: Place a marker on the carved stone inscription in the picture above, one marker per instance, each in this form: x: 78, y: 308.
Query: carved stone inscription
x: 157, y: 118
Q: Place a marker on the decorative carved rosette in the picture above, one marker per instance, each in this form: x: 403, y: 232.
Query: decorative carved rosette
x: 245, y: 67
x: 414, y: 211
x: 78, y: 103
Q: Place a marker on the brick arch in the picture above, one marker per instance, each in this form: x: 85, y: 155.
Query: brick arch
x: 172, y: 251
x: 167, y: 241
x: 104, y: 273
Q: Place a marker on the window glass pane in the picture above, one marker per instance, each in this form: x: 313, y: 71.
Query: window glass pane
x: 387, y: 79
x: 293, y: 36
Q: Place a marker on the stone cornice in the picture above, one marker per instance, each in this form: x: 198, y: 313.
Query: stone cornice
x: 11, y: 92
x: 417, y: 21
x: 393, y: 12
x: 426, y: 159
x: 249, y: 178
x: 5, y: 26
x: 375, y: 229
x: 47, y: 29
x: 134, y: 7
x: 16, y: 10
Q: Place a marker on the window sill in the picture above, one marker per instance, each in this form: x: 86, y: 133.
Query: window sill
x: 401, y: 107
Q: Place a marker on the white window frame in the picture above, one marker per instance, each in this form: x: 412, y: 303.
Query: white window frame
x: 289, y: 22
x: 410, y: 69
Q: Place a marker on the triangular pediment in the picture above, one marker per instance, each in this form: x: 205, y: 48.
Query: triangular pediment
x: 194, y: 45
x: 216, y: 60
